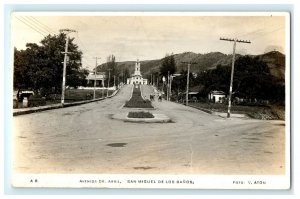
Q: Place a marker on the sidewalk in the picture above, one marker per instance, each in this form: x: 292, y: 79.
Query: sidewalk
x: 29, y: 110
x: 221, y: 114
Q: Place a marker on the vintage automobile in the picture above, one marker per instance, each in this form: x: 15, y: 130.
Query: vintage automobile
x: 24, y: 93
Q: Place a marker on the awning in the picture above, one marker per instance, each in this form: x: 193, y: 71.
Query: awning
x: 193, y: 93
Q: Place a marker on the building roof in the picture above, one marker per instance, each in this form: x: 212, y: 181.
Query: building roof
x: 217, y: 92
x: 193, y: 93
x: 91, y: 76
x: 134, y: 75
x: 196, y: 88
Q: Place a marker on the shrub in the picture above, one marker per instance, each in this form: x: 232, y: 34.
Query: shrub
x: 136, y: 103
x: 36, y: 100
x: 15, y: 103
x: 141, y: 114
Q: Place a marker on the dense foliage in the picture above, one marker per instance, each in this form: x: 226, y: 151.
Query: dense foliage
x: 167, y: 65
x: 40, y: 67
x: 252, y: 80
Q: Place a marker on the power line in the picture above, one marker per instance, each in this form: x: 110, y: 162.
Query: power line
x: 35, y: 25
x: 31, y: 27
x: 83, y: 45
x: 268, y: 33
x: 260, y: 31
x: 253, y: 37
x: 45, y: 26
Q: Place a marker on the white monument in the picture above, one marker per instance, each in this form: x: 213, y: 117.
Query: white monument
x: 137, y: 78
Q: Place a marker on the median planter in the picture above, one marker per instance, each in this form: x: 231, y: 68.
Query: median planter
x: 141, y: 114
x: 136, y: 101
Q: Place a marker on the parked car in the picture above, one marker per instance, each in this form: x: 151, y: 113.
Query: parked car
x: 24, y: 93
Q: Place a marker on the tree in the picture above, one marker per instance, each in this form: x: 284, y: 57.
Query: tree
x: 167, y: 65
x: 252, y: 80
x: 40, y: 67
x: 111, y: 69
x: 126, y: 74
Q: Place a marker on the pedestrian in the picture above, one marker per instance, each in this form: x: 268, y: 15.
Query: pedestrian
x: 159, y: 97
x: 151, y: 97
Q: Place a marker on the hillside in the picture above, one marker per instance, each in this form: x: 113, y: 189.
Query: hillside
x: 274, y: 59
x: 276, y: 63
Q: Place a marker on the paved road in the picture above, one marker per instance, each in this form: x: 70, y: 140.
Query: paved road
x: 84, y: 139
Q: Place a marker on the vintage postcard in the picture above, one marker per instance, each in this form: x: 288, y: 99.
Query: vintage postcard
x: 194, y: 100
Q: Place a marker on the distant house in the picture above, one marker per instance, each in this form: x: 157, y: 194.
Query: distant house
x: 99, y: 78
x: 217, y: 96
x: 193, y: 94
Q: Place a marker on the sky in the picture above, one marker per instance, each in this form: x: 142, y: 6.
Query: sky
x: 136, y: 36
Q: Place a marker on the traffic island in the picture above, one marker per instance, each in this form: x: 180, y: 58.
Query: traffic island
x: 157, y: 118
x: 140, y: 114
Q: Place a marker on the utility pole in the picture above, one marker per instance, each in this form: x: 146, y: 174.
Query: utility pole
x: 95, y: 77
x: 123, y: 76
x: 171, y: 78
x: 151, y: 79
x: 187, y: 85
x: 168, y: 86
x: 114, y: 81
x: 232, y: 69
x: 108, y: 82
x: 163, y: 83
x: 102, y: 85
x: 67, y: 31
x: 188, y: 81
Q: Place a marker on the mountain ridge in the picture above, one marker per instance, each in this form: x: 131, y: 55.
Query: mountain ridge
x: 274, y: 59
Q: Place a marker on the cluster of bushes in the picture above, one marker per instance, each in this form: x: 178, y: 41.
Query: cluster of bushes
x: 141, y: 114
x: 136, y: 101
x: 36, y: 100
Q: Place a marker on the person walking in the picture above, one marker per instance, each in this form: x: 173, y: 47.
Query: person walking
x: 159, y: 97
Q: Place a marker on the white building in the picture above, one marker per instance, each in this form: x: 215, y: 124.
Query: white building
x: 137, y: 78
x: 217, y: 96
x: 99, y: 78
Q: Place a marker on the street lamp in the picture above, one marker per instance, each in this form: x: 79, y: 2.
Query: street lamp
x: 171, y: 79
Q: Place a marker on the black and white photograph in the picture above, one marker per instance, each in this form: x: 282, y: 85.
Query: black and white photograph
x: 196, y: 100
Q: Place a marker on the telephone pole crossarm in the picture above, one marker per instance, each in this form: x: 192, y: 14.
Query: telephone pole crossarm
x: 237, y: 40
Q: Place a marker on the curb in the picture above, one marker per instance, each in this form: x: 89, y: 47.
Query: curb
x: 201, y: 109
x: 158, y: 118
x: 146, y: 120
x: 221, y: 114
x: 57, y: 106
